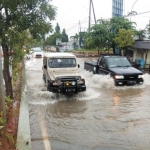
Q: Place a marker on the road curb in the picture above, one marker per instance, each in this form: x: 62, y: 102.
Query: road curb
x: 23, y: 134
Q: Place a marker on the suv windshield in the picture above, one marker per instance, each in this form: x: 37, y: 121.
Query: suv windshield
x: 118, y: 62
x: 37, y: 50
x: 62, y: 62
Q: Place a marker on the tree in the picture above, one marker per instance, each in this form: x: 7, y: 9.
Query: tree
x: 124, y: 38
x: 141, y: 34
x: 99, y: 35
x: 132, y: 13
x: 17, y: 16
x: 57, y: 29
x: 75, y: 37
x: 51, y: 40
x: 117, y: 23
x: 64, y: 36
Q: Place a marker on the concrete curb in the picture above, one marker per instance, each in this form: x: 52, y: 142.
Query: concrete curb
x: 23, y: 134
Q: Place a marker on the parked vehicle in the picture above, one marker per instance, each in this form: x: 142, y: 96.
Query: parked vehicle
x: 119, y: 68
x: 60, y: 73
x: 37, y: 52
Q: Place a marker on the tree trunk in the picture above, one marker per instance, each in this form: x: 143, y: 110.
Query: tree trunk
x: 98, y: 50
x: 6, y: 72
x: 114, y: 47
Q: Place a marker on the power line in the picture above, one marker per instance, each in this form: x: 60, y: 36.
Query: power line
x: 143, y: 12
x: 76, y: 24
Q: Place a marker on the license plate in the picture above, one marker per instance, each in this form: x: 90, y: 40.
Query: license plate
x: 70, y: 90
x: 131, y: 82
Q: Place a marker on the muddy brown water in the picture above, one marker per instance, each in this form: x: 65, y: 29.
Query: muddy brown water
x: 104, y: 117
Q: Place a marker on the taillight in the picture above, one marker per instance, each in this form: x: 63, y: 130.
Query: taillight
x: 53, y: 81
x: 83, y: 80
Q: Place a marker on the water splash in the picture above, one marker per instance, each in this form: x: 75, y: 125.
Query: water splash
x: 105, y: 81
x: 45, y: 97
x: 146, y: 79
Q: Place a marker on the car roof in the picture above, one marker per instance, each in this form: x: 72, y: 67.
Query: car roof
x: 113, y: 56
x: 58, y: 54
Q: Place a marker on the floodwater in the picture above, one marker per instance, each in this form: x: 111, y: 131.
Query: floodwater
x: 104, y: 117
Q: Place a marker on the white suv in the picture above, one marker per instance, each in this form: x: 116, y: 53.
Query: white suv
x: 60, y: 73
x: 37, y: 52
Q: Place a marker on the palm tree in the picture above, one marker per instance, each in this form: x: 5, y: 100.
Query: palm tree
x: 75, y: 37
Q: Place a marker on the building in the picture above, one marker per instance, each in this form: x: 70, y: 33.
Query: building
x: 117, y: 8
x: 141, y: 50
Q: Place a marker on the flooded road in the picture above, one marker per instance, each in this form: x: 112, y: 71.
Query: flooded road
x: 104, y: 117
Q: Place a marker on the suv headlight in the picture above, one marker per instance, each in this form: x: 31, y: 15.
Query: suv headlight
x: 140, y: 76
x: 58, y: 80
x: 78, y: 78
x: 119, y: 77
x: 73, y: 83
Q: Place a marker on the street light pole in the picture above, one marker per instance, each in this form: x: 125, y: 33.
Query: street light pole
x: 2, y: 101
x: 132, y: 8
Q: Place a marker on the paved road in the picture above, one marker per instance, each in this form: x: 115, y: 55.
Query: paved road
x: 105, y: 117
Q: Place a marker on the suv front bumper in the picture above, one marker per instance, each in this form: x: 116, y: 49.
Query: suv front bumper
x: 129, y: 82
x: 68, y: 89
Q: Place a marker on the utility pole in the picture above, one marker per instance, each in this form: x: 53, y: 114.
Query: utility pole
x: 90, y: 15
x: 2, y: 101
x: 79, y: 34
x: 91, y: 4
x: 93, y: 12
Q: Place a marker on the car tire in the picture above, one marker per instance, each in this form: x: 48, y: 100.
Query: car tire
x: 116, y: 83
x: 44, y: 78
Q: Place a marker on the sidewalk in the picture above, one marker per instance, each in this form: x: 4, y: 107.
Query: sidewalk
x: 23, y: 134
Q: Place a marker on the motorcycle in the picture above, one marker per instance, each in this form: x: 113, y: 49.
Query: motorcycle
x: 27, y: 56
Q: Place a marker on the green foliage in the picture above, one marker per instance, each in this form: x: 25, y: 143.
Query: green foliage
x: 57, y: 29
x: 141, y: 34
x: 103, y: 34
x: 98, y: 35
x: 2, y: 120
x: 75, y: 37
x: 51, y: 40
x: 8, y: 102
x: 117, y: 23
x: 19, y: 17
x: 124, y: 38
x: 10, y: 138
x: 64, y: 36
x: 22, y: 15
x: 15, y: 73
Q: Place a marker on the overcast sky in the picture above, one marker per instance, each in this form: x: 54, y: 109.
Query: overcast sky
x: 71, y: 12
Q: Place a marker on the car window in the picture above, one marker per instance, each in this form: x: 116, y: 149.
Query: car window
x: 102, y: 62
x: 118, y: 62
x: 62, y: 62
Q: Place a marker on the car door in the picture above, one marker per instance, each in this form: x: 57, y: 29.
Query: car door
x: 103, y: 67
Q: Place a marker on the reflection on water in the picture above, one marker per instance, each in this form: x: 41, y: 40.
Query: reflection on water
x: 116, y: 99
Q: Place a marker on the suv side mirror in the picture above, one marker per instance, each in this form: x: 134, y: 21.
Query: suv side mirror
x: 45, y: 66
x: 78, y: 66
